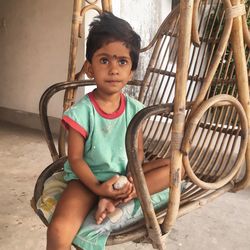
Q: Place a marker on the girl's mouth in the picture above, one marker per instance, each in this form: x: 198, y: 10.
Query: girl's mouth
x: 113, y: 81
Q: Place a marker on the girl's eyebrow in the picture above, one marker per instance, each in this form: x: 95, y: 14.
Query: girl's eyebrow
x: 113, y: 56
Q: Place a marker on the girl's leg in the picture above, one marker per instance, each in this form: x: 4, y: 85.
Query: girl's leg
x: 148, y: 166
x: 157, y: 174
x: 71, y: 210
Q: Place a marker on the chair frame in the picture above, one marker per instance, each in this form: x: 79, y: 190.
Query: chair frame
x: 187, y: 117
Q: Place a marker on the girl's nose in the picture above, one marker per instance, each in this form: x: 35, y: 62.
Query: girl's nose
x: 113, y: 70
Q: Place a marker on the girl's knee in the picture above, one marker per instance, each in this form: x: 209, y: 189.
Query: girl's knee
x: 163, y: 162
x: 54, y: 228
x: 166, y: 161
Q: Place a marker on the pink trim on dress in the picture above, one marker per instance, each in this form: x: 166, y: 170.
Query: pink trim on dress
x: 68, y: 122
x: 114, y: 115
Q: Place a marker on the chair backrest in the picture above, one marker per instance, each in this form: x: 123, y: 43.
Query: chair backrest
x: 215, y: 142
x: 218, y: 124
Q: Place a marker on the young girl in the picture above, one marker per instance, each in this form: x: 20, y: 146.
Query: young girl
x: 96, y: 134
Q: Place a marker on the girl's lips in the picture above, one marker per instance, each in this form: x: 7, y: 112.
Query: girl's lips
x: 113, y: 81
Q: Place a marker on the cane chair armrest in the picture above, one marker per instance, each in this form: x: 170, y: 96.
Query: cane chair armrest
x: 43, y: 109
x: 134, y: 163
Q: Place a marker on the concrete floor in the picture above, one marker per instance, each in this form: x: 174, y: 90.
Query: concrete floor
x: 221, y: 225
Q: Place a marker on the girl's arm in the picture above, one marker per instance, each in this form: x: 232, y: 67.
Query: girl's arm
x: 75, y: 156
x: 81, y: 169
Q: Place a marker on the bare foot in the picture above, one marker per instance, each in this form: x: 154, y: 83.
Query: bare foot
x: 105, y: 206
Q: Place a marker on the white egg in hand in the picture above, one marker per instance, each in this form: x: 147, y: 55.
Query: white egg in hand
x: 120, y: 182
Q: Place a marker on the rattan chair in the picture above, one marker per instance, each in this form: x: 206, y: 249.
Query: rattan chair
x: 196, y: 93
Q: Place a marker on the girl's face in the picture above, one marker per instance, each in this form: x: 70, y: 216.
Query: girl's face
x: 111, y: 67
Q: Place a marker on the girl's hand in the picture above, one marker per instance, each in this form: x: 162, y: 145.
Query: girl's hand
x: 106, y: 189
x: 132, y: 194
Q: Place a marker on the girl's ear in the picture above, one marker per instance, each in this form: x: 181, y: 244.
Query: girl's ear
x: 88, y: 69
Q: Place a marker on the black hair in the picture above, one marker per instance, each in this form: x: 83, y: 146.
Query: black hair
x: 107, y: 28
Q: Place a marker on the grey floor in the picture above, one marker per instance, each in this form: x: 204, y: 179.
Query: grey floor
x: 221, y: 225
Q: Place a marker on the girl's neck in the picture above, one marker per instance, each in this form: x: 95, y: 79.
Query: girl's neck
x: 104, y: 97
x: 108, y: 103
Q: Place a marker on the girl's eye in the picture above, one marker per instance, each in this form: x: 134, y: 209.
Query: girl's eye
x: 123, y: 61
x: 104, y: 60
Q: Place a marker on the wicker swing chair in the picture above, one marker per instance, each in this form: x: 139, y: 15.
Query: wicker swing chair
x: 196, y: 94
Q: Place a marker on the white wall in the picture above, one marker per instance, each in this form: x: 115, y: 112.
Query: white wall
x: 145, y: 16
x: 34, y: 48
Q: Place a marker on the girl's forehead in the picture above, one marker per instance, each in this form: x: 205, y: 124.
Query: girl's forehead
x: 116, y: 48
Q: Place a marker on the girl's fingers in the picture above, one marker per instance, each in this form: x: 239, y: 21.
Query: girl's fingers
x: 124, y: 192
x: 129, y: 198
x: 130, y: 178
x: 126, y: 189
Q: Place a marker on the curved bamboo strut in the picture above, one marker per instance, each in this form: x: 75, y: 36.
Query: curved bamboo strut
x: 76, y: 20
x: 190, y: 130
x: 156, y: 73
x: 164, y: 26
x: 201, y: 63
x: 83, y: 13
x: 216, y: 60
x: 195, y: 19
x: 156, y: 52
x: 242, y: 84
x: 153, y: 228
x: 70, y: 94
x: 185, y: 24
x: 91, y: 2
x: 197, y: 159
x: 107, y: 5
x: 246, y: 30
x: 196, y: 156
